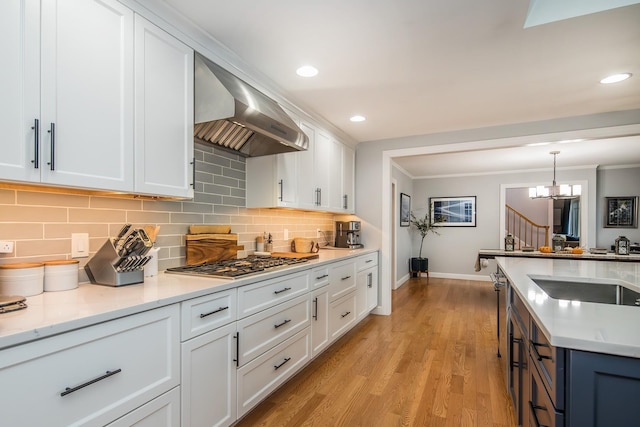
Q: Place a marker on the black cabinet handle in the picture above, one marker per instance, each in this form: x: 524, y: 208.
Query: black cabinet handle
x: 346, y: 314
x: 281, y: 291
x: 193, y: 173
x: 52, y: 131
x: 280, y: 183
x: 370, y: 280
x: 345, y: 205
x: 286, y: 359
x: 535, y: 416
x: 322, y: 277
x: 534, y: 346
x: 368, y: 261
x: 345, y: 278
x: 70, y: 390
x: 36, y: 143
x: 213, y: 312
x: 318, y: 196
x: 282, y: 324
x: 237, y: 338
x: 315, y: 308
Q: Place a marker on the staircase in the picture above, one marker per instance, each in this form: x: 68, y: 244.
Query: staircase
x: 525, y: 231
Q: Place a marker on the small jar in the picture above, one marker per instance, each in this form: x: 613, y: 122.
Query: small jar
x: 25, y: 279
x: 509, y: 243
x: 622, y: 245
x: 60, y: 275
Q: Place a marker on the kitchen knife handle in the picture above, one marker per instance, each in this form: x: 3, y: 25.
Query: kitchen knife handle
x: 36, y: 143
x: 52, y: 131
x: 193, y: 172
x: 70, y: 390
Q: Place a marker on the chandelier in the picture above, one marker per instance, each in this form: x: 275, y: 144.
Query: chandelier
x: 565, y: 191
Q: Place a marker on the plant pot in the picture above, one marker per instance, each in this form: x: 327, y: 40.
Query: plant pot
x: 419, y: 265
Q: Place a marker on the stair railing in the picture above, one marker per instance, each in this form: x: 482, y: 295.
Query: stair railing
x: 525, y: 231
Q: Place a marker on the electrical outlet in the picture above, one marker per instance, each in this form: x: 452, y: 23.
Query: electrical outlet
x: 6, y: 247
x: 318, y: 232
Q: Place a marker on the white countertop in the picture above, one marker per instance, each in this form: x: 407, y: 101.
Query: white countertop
x: 52, y: 313
x: 602, y: 328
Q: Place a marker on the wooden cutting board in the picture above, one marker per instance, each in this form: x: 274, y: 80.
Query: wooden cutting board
x: 211, y: 247
x: 294, y: 255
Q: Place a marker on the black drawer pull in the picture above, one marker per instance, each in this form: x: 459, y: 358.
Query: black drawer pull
x: 345, y: 278
x: 322, y: 277
x: 70, y: 390
x: 535, y: 416
x: 368, y: 261
x: 346, y: 314
x: 214, y: 312
x: 286, y: 359
x: 36, y: 144
x: 282, y: 324
x: 534, y: 346
x: 237, y: 338
x: 315, y: 308
x: 281, y: 290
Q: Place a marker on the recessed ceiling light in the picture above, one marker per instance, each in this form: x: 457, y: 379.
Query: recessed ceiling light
x: 615, y: 78
x: 358, y: 118
x: 569, y: 141
x: 307, y: 71
x: 538, y: 144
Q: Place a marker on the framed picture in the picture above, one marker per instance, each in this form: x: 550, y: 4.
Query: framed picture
x: 453, y: 211
x: 621, y: 212
x: 405, y: 210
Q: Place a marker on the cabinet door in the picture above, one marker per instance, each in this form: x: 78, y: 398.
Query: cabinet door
x: 322, y: 173
x: 348, y: 170
x: 209, y: 378
x: 287, y: 177
x: 306, y: 166
x: 319, y: 320
x: 163, y: 411
x: 163, y: 112
x: 87, y: 94
x: 372, y: 289
x: 20, y: 89
x: 362, y: 280
x: 336, y: 201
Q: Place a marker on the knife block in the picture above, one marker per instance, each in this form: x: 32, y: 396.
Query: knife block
x: 101, y: 270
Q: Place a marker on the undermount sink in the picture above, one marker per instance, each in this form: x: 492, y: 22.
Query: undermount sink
x: 587, y: 290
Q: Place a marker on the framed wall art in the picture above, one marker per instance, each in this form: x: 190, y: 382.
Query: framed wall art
x: 453, y: 211
x: 621, y: 212
x: 405, y: 210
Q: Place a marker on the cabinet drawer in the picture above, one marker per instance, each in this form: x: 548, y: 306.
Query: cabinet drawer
x: 200, y: 315
x: 262, y: 331
x: 320, y: 277
x: 263, y: 375
x: 520, y: 310
x: 549, y: 361
x: 262, y: 295
x: 342, y: 279
x: 541, y: 409
x: 163, y: 411
x: 342, y: 315
x: 366, y: 261
x: 93, y: 375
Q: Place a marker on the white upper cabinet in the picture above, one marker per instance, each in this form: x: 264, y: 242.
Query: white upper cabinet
x: 20, y: 89
x: 163, y: 112
x: 306, y: 179
x: 272, y: 181
x: 323, y: 167
x: 335, y: 177
x: 348, y: 171
x: 87, y: 94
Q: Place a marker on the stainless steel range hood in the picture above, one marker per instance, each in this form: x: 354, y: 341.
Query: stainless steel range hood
x: 231, y: 114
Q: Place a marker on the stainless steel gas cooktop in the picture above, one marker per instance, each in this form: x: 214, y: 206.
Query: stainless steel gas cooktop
x: 236, y: 268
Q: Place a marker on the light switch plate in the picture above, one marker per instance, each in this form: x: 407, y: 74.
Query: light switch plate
x: 79, y: 245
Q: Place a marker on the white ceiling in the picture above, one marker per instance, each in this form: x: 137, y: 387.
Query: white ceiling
x: 425, y: 66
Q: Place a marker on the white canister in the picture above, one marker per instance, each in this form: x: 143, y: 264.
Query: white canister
x: 151, y: 267
x: 26, y: 279
x: 60, y: 275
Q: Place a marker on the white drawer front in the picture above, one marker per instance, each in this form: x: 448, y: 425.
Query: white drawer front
x: 163, y: 411
x: 58, y: 374
x: 319, y: 277
x: 366, y: 261
x: 262, y: 331
x: 263, y: 375
x: 343, y: 279
x: 262, y: 295
x: 342, y: 315
x: 206, y: 313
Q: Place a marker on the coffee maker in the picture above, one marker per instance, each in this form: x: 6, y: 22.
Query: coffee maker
x: 348, y: 234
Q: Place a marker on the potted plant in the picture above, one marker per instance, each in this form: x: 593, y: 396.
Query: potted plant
x: 424, y: 226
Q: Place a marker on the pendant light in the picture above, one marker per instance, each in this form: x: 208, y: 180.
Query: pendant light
x: 565, y: 191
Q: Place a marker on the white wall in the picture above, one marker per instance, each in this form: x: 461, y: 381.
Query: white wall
x: 616, y: 183
x: 404, y: 235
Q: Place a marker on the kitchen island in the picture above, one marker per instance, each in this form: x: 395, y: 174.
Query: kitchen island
x: 571, y: 362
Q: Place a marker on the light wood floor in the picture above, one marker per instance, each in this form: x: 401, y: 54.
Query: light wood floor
x: 433, y: 362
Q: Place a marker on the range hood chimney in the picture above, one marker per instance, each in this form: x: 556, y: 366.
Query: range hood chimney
x: 233, y: 115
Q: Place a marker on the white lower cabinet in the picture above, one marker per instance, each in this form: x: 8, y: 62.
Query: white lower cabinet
x: 94, y: 375
x: 342, y: 279
x: 319, y: 320
x: 366, y: 291
x: 258, y: 378
x: 209, y: 378
x: 163, y: 411
x: 342, y: 315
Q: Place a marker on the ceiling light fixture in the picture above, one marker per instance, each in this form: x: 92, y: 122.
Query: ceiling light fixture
x: 615, y: 78
x: 358, y: 118
x: 565, y: 191
x: 307, y: 71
